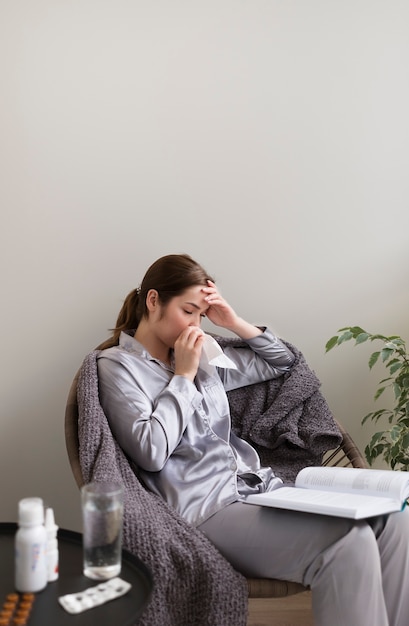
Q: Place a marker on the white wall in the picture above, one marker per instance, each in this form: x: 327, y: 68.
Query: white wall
x: 268, y: 139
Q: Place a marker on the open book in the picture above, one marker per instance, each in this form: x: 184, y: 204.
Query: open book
x: 340, y: 491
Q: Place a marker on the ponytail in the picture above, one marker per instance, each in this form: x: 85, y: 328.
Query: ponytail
x: 129, y: 315
x: 128, y: 318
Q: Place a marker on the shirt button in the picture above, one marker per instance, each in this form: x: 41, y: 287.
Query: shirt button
x: 233, y: 466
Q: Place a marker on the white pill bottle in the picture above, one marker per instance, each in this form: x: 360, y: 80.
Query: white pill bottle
x: 30, y: 547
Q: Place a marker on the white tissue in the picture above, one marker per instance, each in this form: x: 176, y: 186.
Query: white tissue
x: 213, y: 356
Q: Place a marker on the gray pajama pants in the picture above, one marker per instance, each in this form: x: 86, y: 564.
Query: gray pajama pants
x: 358, y: 571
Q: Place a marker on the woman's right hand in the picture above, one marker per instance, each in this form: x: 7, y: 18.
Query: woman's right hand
x: 187, y: 350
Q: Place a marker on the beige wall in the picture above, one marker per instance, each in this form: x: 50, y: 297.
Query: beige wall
x: 268, y: 139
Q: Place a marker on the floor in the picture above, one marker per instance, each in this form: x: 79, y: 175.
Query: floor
x: 291, y: 611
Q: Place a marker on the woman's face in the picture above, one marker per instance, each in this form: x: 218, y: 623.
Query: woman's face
x: 182, y: 311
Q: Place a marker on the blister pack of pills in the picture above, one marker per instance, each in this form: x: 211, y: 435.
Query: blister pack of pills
x: 94, y: 596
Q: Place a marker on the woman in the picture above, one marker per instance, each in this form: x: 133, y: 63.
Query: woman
x: 171, y: 416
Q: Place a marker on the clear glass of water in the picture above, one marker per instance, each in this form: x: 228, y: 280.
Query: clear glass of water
x: 102, y: 517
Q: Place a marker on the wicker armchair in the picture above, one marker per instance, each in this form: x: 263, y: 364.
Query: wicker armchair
x: 346, y: 455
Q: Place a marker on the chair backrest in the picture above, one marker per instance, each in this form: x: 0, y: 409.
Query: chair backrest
x: 347, y: 454
x: 71, y: 422
x: 71, y: 432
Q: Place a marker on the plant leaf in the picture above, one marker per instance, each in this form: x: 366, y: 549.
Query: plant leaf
x: 395, y: 432
x: 356, y: 330
x: 385, y: 380
x: 376, y: 437
x: 394, y: 366
x: 373, y: 359
x: 379, y: 392
x: 331, y: 343
x: 386, y: 353
x: 345, y: 337
x: 361, y: 338
x: 397, y: 389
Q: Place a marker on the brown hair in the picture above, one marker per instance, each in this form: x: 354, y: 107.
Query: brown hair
x: 170, y: 275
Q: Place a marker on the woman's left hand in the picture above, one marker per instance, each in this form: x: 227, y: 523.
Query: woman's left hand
x: 219, y: 312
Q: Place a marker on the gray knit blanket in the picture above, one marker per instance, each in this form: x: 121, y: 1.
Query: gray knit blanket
x: 286, y: 419
x: 289, y: 423
x: 193, y: 584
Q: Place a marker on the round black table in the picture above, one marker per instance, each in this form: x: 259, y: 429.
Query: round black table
x: 46, y: 609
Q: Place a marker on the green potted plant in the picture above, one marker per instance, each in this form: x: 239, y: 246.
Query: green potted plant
x: 391, y: 444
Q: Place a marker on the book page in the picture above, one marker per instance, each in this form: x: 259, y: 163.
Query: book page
x: 380, y: 483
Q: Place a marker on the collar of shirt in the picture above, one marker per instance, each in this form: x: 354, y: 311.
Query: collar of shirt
x: 128, y: 342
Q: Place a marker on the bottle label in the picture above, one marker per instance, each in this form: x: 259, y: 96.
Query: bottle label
x: 36, y: 555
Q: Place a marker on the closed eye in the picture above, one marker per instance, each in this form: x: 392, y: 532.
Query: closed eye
x: 195, y: 308
x: 191, y: 313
